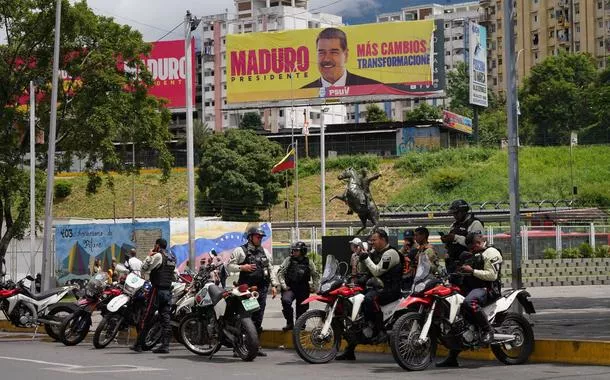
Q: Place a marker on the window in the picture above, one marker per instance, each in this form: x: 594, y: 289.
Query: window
x: 499, y: 61
x: 551, y: 14
x: 601, y: 43
x: 551, y: 33
x: 447, y: 52
x: 576, y: 8
x: 599, y: 5
x: 535, y: 56
x: 577, y: 46
x: 535, y: 39
x: 600, y: 23
x: 577, y: 27
x: 499, y: 24
x: 495, y: 81
x: 281, y: 113
x: 535, y: 19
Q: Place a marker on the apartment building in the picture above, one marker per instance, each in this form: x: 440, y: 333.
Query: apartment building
x: 544, y: 28
x: 454, y: 14
x: 256, y: 16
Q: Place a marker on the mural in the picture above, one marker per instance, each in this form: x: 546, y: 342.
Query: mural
x: 223, y: 237
x: 77, y: 246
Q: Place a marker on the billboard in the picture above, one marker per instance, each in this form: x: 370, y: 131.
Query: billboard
x: 457, y: 122
x: 167, y: 64
x: 77, y: 246
x: 477, y: 63
x: 372, y: 59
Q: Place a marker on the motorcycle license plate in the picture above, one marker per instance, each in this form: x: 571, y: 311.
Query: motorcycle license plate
x: 250, y: 304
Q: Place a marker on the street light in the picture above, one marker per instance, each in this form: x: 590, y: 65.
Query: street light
x: 191, y: 24
x: 322, y: 169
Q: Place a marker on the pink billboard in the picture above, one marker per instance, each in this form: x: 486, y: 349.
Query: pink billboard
x: 167, y: 64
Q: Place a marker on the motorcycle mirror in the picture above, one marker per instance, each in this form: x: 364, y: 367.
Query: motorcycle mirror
x: 29, y: 277
x: 213, y: 252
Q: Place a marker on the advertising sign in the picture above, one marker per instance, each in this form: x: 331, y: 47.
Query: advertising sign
x: 77, y: 246
x: 477, y: 63
x: 457, y: 122
x: 372, y: 59
x: 167, y: 64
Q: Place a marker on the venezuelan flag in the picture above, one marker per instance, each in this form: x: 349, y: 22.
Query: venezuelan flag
x: 286, y: 163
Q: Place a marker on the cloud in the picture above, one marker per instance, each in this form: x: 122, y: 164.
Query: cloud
x: 346, y: 8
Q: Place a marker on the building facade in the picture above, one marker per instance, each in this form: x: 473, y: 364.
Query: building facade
x: 545, y: 28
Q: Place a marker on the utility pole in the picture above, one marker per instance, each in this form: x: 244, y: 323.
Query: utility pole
x: 47, y: 250
x: 191, y: 24
x: 32, y: 179
x: 513, y: 143
x: 323, y: 169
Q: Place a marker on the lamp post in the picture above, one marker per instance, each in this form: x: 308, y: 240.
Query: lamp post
x: 191, y: 24
x: 47, y: 265
x: 32, y: 179
x: 322, y: 169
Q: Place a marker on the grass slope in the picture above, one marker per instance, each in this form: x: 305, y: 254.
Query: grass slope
x: 473, y: 174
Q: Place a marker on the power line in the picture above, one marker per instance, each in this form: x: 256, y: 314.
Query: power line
x: 170, y: 32
x: 129, y: 19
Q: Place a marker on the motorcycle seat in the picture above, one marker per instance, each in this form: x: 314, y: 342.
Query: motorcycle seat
x: 216, y: 293
x: 43, y: 295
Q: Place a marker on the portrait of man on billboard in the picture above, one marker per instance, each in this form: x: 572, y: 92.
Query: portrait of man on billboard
x: 332, y: 51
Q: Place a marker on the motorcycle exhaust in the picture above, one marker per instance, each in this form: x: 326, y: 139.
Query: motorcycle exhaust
x: 49, y: 322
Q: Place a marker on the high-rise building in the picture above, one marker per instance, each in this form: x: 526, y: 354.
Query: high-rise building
x: 544, y: 28
x: 256, y: 16
x: 454, y: 14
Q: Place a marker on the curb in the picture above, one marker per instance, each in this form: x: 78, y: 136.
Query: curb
x: 545, y: 350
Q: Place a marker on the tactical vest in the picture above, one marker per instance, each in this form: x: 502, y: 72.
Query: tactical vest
x: 162, y: 276
x: 472, y: 282
x: 298, y: 272
x: 393, y: 277
x: 454, y: 249
x: 260, y: 276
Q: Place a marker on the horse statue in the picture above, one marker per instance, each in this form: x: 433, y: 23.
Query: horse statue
x: 357, y: 196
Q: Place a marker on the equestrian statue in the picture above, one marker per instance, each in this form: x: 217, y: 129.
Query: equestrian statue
x: 357, y: 195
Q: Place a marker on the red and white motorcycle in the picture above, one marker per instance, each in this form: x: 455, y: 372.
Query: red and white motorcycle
x: 26, y: 309
x: 434, y: 316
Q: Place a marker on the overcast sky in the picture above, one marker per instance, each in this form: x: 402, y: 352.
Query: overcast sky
x: 154, y: 18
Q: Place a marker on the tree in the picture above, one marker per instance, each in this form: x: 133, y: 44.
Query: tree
x: 599, y: 130
x: 558, y: 98
x: 251, y: 120
x: 458, y: 91
x: 424, y: 112
x: 99, y: 104
x: 235, y: 179
x: 492, y: 128
x: 375, y: 114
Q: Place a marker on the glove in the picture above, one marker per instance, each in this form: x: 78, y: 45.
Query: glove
x: 363, y: 256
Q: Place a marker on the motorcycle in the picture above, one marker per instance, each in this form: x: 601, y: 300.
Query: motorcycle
x: 220, y: 318
x: 123, y: 311
x: 97, y: 295
x: 433, y: 315
x: 317, y: 333
x: 26, y: 309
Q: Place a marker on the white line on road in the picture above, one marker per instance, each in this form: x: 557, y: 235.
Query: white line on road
x: 79, y: 369
x: 36, y: 361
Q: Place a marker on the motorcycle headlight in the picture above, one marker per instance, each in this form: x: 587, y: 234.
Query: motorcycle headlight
x: 419, y: 287
x: 325, y: 287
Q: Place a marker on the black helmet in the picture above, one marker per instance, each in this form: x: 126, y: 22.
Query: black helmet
x: 459, y: 205
x: 408, y: 234
x: 301, y: 246
x: 256, y: 231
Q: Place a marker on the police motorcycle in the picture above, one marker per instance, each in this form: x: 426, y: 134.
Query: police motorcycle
x: 96, y: 296
x: 124, y: 310
x: 434, y: 315
x: 24, y: 308
x: 317, y: 333
x: 222, y: 318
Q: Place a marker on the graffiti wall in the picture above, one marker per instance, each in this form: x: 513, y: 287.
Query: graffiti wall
x: 417, y: 139
x: 77, y: 246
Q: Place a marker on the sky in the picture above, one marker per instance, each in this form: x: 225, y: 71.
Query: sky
x: 155, y: 18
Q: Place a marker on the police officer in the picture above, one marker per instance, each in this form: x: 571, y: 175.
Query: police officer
x: 253, y: 263
x: 386, y: 264
x: 408, y: 252
x: 298, y: 277
x: 455, y: 240
x: 161, y: 265
x: 483, y: 268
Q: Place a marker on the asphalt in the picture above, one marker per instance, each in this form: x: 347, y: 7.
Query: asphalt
x: 53, y: 361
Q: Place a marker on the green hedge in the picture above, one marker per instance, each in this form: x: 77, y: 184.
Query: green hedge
x: 310, y: 166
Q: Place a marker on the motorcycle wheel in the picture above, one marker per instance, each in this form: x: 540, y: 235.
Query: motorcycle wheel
x: 75, y: 328
x: 246, y: 346
x: 107, y: 330
x: 407, y: 352
x: 153, y: 334
x: 58, y: 313
x: 522, y: 347
x: 307, y: 341
x: 194, y: 335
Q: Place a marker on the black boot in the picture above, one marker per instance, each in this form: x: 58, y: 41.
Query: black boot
x: 289, y: 320
x: 487, y: 335
x: 164, y: 346
x: 136, y: 348
x: 348, y: 354
x: 450, y: 361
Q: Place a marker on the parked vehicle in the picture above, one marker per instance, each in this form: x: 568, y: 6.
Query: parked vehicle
x: 123, y: 311
x: 434, y: 316
x: 222, y: 318
x: 26, y: 309
x: 317, y: 333
x: 97, y: 294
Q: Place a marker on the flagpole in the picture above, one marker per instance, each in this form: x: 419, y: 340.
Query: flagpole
x: 296, y: 187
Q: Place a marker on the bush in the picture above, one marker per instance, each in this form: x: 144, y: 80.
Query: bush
x: 602, y: 251
x: 594, y: 196
x: 420, y: 162
x: 62, y: 189
x: 445, y: 179
x: 586, y: 250
x: 570, y: 253
x: 309, y: 166
x: 549, y: 253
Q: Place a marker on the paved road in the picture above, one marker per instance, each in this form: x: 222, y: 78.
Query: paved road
x: 53, y: 361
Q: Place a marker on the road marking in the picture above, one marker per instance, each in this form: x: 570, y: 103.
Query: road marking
x: 79, y: 369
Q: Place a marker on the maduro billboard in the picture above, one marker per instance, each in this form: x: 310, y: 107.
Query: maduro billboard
x: 373, y: 59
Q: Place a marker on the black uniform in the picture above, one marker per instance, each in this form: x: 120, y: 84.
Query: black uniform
x: 297, y: 277
x: 455, y: 249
